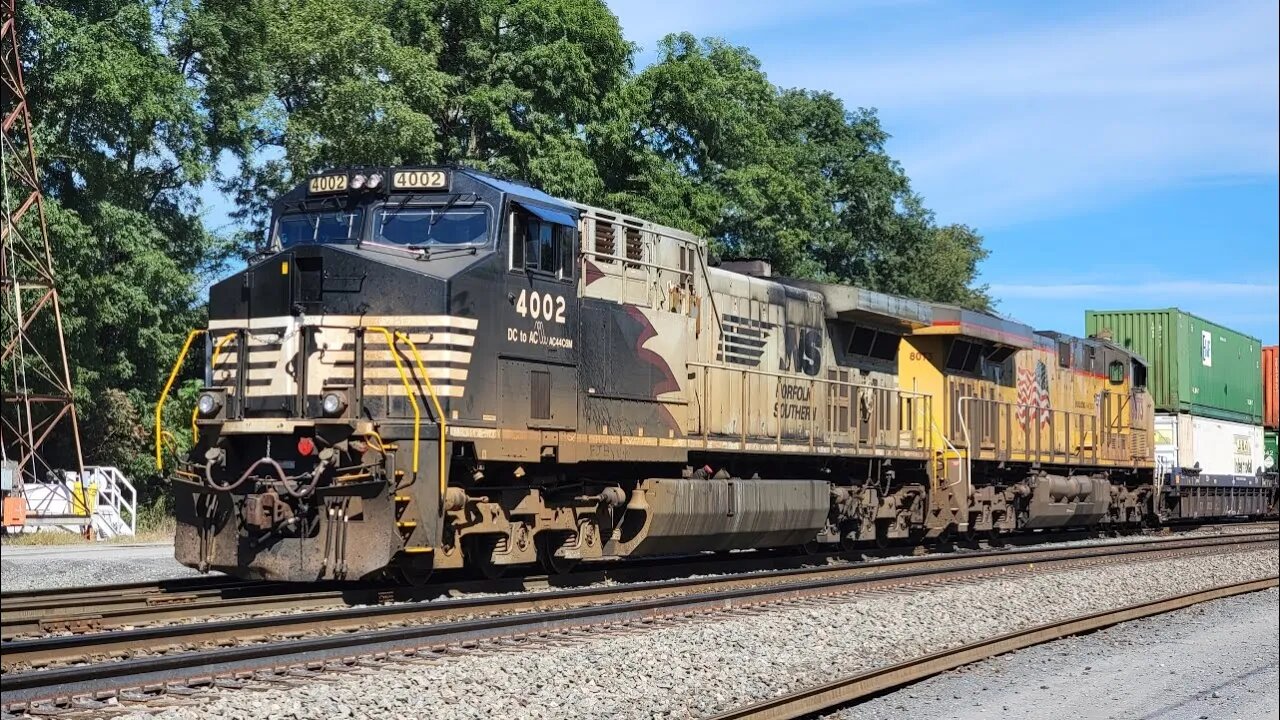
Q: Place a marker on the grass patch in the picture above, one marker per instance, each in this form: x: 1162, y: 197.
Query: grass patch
x: 157, y: 517
x: 61, y: 537
x: 155, y: 524
x: 44, y: 537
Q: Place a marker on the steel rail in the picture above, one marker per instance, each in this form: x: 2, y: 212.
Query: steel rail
x: 382, y: 605
x: 29, y: 614
x: 831, y: 695
x: 21, y: 598
x: 96, y: 612
x: 91, y: 598
x: 19, y: 690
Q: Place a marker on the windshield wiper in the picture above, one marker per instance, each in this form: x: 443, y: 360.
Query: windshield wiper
x: 428, y: 255
x: 452, y: 201
x: 386, y: 215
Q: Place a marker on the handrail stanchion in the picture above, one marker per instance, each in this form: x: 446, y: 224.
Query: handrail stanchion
x: 408, y: 390
x: 440, y: 421
x: 164, y: 394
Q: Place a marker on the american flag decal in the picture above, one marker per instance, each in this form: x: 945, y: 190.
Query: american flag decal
x: 1033, y: 394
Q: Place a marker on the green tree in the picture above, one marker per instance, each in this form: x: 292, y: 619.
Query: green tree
x: 703, y: 141
x: 122, y: 148
x: 501, y: 86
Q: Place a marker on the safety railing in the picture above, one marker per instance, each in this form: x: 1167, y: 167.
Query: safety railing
x: 999, y: 430
x: 809, y: 411
x: 391, y: 337
x: 117, y: 494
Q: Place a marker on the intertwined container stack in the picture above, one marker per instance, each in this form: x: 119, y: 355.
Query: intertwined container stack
x: 1206, y: 384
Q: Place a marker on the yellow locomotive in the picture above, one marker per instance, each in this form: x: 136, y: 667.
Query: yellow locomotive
x: 1037, y: 429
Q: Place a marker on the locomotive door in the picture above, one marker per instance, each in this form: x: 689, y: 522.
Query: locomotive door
x: 272, y: 352
x: 538, y: 360
x: 687, y: 298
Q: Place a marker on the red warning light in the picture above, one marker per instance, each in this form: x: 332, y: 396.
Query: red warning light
x: 306, y: 446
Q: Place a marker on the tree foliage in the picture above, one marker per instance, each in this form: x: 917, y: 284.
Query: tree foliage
x: 122, y: 147
x: 137, y: 101
x: 704, y: 142
x: 501, y: 86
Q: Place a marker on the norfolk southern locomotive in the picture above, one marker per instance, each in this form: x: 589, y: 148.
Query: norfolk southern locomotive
x: 440, y: 369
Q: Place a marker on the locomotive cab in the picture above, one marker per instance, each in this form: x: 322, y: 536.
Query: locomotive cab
x: 393, y: 302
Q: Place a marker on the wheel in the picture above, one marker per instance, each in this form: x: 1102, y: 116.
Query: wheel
x: 882, y: 534
x: 548, y: 543
x: 479, y: 556
x: 849, y: 541
x: 415, y: 569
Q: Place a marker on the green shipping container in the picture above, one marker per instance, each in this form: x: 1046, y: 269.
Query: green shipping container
x: 1196, y: 366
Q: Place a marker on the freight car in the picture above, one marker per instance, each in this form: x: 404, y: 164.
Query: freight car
x: 436, y: 368
x: 1207, y: 387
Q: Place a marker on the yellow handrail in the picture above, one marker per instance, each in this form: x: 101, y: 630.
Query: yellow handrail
x: 213, y: 361
x: 173, y: 375
x: 444, y: 428
x: 408, y: 390
x: 404, y: 379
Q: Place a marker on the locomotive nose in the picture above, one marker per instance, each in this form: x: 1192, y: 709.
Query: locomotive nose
x: 333, y: 279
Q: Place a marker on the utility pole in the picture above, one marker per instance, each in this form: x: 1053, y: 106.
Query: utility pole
x: 36, y: 403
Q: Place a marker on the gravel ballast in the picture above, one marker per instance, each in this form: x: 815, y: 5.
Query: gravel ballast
x: 1218, y: 660
x: 39, y: 567
x: 709, y: 665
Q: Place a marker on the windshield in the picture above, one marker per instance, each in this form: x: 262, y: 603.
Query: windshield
x: 319, y: 228
x: 421, y: 227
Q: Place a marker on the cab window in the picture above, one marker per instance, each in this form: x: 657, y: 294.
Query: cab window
x: 319, y: 228
x: 541, y: 246
x: 1115, y: 372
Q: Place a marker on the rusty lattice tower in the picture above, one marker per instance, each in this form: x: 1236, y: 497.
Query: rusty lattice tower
x: 36, y: 404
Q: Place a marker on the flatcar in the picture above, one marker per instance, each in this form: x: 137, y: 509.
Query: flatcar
x: 435, y: 368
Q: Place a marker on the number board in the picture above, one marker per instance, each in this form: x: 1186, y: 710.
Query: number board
x: 327, y: 184
x: 420, y: 180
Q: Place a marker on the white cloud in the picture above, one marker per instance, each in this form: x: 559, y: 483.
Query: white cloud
x: 646, y: 21
x: 1136, y: 292
x: 1002, y: 126
x: 1250, y: 307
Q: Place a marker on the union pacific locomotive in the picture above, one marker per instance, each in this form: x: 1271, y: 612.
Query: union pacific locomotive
x: 436, y: 368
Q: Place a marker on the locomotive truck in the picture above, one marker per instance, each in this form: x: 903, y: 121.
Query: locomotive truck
x: 436, y: 368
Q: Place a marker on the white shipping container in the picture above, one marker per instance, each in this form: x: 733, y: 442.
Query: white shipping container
x: 1220, y: 448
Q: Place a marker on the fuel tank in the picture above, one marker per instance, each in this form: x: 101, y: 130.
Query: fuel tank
x: 668, y: 516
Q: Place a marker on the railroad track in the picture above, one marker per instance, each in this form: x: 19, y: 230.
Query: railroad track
x: 144, y: 664
x: 31, y: 614
x: 832, y: 695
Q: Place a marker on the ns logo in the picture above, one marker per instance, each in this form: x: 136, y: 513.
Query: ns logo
x: 801, y: 350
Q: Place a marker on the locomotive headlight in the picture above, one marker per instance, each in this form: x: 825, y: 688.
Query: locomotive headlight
x: 374, y: 181
x: 357, y: 182
x: 333, y: 404
x: 208, y: 405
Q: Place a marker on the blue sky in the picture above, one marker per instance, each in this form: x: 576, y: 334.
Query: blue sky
x: 1114, y: 155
